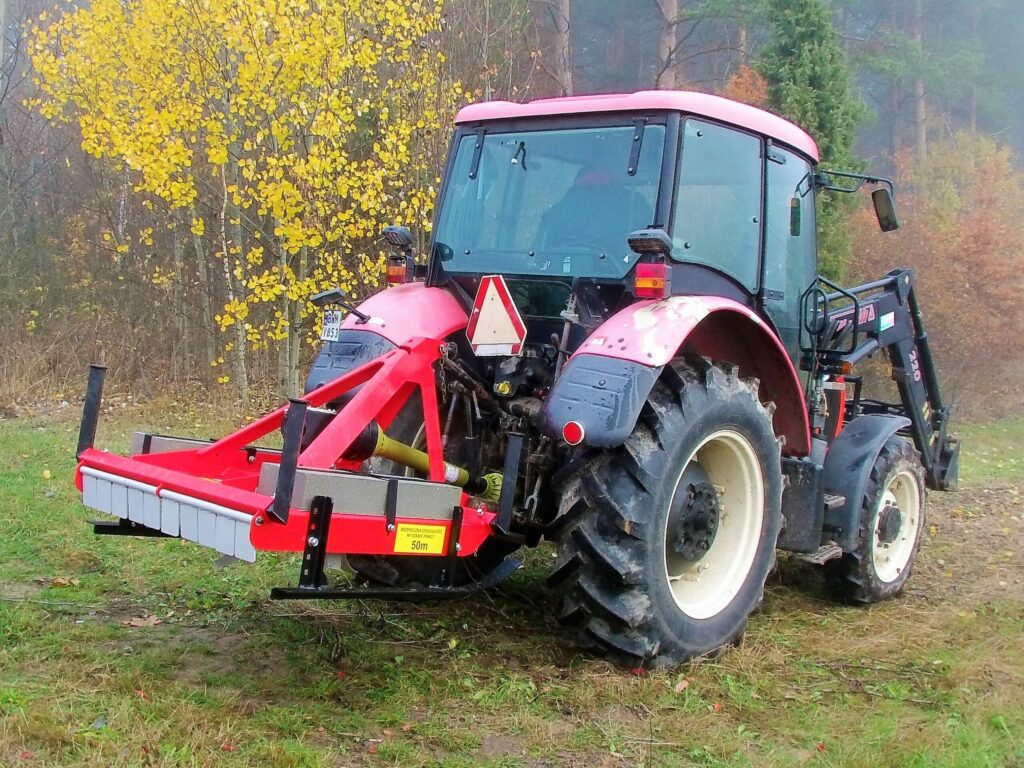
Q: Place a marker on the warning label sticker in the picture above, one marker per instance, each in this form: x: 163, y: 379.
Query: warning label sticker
x: 419, y: 539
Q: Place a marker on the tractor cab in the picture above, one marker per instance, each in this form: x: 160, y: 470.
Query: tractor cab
x: 548, y: 198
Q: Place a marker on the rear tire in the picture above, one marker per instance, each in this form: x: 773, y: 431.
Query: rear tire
x: 665, y: 543
x: 887, y: 541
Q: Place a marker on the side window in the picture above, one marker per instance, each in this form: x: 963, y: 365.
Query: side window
x: 718, y: 203
x: 790, y: 242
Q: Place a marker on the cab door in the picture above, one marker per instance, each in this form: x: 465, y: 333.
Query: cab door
x: 790, y: 244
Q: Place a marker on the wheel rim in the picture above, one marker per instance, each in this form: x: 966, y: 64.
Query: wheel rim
x: 890, y: 558
x: 703, y: 588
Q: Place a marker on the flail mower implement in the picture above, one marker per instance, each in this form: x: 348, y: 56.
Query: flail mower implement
x: 600, y: 351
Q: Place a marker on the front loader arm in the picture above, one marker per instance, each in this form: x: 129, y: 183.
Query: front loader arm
x: 885, y: 315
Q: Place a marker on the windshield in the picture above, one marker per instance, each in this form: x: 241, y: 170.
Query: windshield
x: 553, y: 203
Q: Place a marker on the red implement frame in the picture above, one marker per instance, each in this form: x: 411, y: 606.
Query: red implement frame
x: 226, y: 472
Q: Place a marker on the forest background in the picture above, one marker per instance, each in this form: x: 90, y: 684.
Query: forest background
x: 177, y: 178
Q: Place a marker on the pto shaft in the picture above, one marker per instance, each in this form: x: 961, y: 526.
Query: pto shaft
x: 373, y: 442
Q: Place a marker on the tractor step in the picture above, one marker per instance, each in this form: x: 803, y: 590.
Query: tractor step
x: 822, y: 554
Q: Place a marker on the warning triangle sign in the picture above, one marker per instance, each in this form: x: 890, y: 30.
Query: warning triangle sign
x: 495, y: 325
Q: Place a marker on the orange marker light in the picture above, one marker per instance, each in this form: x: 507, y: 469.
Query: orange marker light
x: 397, y: 272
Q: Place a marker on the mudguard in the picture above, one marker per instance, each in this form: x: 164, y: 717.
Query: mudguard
x: 605, y: 383
x: 410, y: 311
x: 848, y: 467
x: 602, y: 394
x: 352, y: 349
x: 397, y: 316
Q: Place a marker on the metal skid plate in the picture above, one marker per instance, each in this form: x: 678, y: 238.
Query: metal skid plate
x: 365, y: 494
x: 173, y: 514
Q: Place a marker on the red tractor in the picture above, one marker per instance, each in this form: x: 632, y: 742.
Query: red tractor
x: 619, y: 343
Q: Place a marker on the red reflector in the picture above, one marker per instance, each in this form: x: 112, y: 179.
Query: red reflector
x: 396, y: 272
x: 573, y: 433
x: 651, y: 281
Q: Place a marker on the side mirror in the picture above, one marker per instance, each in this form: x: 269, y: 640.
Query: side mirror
x: 885, y: 209
x: 399, y: 238
x: 650, y: 241
x: 336, y: 297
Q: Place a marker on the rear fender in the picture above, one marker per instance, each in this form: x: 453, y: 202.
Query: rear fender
x: 847, y: 469
x: 397, y: 315
x: 605, y: 383
x: 410, y: 311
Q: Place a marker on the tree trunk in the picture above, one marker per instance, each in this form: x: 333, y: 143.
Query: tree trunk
x: 667, y: 42
x: 239, y: 372
x: 7, y: 204
x: 179, y: 357
x: 295, y: 327
x: 284, y: 347
x: 920, y: 103
x: 563, y: 49
x: 205, y: 299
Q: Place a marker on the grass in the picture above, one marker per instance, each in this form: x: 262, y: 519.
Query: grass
x: 229, y: 678
x: 995, y: 452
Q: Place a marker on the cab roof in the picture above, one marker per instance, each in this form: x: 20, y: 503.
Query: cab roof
x: 687, y: 102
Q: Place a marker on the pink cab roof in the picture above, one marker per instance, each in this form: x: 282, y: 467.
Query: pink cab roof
x: 688, y: 102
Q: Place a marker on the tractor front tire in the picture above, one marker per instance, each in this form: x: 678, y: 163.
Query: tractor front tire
x: 665, y: 542
x: 889, y: 533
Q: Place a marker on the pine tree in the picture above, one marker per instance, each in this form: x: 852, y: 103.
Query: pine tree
x: 809, y: 82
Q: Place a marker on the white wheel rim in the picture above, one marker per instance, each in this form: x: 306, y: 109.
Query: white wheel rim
x: 891, y: 560
x: 705, y: 587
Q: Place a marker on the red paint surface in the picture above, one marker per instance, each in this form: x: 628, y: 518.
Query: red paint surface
x: 222, y: 472
x: 409, y: 311
x: 652, y: 333
x: 688, y: 102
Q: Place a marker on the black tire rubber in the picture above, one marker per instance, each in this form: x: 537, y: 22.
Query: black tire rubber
x: 610, y: 577
x: 853, y: 577
x: 413, y: 570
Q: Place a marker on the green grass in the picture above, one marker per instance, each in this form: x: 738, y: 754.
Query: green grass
x: 993, y: 452
x: 229, y: 678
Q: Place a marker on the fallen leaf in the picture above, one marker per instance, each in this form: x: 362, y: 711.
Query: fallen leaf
x: 716, y: 707
x: 26, y: 755
x: 388, y: 732
x: 820, y: 746
x: 228, y: 747
x: 372, y: 749
x: 407, y: 727
x: 142, y: 694
x: 142, y: 621
x: 61, y: 581
x: 46, y: 474
x: 682, y: 685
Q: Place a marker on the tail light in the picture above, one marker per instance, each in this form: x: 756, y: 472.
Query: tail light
x: 573, y: 433
x: 652, y: 280
x: 399, y: 271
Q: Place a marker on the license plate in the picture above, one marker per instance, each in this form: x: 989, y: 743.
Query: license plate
x: 332, y: 325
